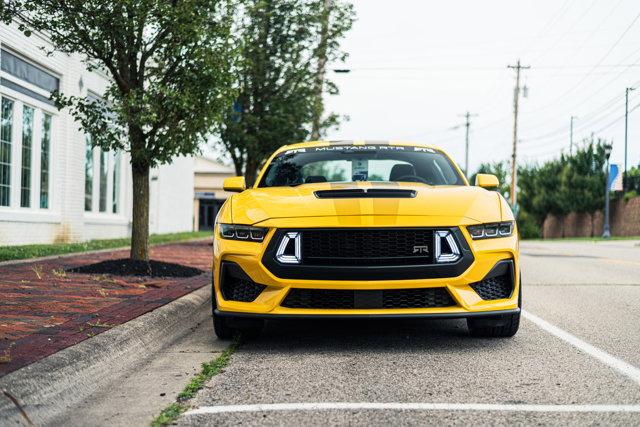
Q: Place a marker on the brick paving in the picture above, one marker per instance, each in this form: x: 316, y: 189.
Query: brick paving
x: 43, y: 309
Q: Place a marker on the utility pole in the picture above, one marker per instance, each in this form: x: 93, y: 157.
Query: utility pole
x: 571, y: 135
x: 322, y: 63
x: 516, y: 97
x: 606, y: 232
x: 467, y: 124
x: 626, y: 133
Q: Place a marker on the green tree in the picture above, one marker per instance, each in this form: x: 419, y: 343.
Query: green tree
x: 633, y: 183
x: 572, y: 183
x: 169, y: 63
x: 500, y: 170
x: 277, y: 74
x: 582, y: 180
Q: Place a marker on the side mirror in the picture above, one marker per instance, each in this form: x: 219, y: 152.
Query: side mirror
x: 234, y: 184
x: 487, y: 181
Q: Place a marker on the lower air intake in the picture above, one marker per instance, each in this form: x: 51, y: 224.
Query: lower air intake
x: 498, y: 287
x: 237, y: 286
x: 378, y: 299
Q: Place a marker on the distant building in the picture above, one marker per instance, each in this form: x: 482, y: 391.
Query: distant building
x: 53, y: 186
x: 209, y: 195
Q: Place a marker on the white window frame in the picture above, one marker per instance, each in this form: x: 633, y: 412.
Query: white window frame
x: 14, y: 212
x: 95, y: 213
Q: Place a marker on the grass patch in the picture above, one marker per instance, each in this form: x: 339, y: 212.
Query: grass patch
x: 8, y: 253
x: 209, y: 370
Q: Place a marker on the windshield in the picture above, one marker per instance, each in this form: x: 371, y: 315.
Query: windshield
x: 349, y: 163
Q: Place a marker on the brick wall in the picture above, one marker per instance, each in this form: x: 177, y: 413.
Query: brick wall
x: 624, y: 221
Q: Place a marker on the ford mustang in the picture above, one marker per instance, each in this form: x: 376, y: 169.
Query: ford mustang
x: 365, y: 229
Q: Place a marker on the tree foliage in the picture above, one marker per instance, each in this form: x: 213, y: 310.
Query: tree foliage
x: 633, y: 182
x: 169, y: 64
x: 500, y: 170
x: 572, y: 183
x: 276, y: 76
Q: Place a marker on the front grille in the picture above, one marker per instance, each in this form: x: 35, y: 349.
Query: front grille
x: 237, y: 286
x: 363, y: 247
x: 498, y: 287
x: 377, y: 299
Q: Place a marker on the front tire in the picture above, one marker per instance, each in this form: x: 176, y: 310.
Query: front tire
x: 222, y: 328
x: 503, y: 326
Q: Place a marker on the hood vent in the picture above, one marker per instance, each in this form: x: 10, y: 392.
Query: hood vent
x: 366, y: 193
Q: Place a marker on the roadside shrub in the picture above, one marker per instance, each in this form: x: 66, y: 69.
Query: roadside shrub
x: 528, y: 226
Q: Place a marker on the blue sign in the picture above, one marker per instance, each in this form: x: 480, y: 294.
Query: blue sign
x: 615, y: 178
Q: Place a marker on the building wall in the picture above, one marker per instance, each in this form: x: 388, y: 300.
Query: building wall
x: 65, y: 219
x: 624, y: 220
x: 174, y: 197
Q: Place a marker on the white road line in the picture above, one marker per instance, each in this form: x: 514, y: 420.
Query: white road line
x: 621, y: 366
x: 324, y: 406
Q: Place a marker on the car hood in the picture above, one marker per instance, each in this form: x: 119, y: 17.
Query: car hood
x: 260, y: 204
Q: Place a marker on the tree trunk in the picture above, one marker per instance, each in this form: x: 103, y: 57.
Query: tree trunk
x: 140, y: 223
x: 250, y: 173
x: 318, y: 107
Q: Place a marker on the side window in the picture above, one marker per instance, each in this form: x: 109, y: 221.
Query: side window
x: 115, y: 195
x: 88, y: 174
x: 27, y: 143
x: 6, y: 130
x: 102, y: 174
x: 104, y: 164
x: 45, y: 156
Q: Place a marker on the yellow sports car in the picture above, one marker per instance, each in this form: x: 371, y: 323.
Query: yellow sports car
x: 365, y: 229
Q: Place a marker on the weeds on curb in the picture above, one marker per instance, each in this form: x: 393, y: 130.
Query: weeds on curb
x: 209, y: 370
x: 59, y: 272
x: 38, y: 270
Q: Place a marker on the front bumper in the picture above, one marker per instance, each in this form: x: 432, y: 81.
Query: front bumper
x: 460, y: 315
x: 248, y: 256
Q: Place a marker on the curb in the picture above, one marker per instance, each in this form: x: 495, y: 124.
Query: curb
x: 47, y: 388
x: 95, y: 251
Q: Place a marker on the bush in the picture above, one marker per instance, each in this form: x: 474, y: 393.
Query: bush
x: 630, y: 195
x: 528, y: 227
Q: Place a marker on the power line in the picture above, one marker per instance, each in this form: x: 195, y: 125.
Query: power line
x: 563, y: 35
x: 605, y: 108
x: 599, y: 130
x: 599, y: 63
x: 476, y: 68
x: 549, y: 24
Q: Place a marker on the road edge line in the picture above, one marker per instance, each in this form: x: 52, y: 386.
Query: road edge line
x: 613, y: 362
x: 410, y: 406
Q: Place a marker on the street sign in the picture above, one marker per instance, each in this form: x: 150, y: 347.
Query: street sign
x: 615, y: 178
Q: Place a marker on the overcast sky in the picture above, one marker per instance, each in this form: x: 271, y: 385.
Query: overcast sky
x: 418, y: 65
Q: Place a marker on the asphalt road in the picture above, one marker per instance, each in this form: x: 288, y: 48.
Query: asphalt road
x: 575, y: 360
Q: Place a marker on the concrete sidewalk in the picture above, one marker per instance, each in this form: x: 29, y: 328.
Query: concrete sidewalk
x: 43, y: 309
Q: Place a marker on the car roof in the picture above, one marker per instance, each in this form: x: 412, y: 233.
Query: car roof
x: 310, y: 144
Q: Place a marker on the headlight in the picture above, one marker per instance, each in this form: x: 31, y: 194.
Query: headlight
x: 242, y: 232
x: 490, y: 231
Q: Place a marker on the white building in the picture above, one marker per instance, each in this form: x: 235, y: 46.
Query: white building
x: 209, y: 194
x: 53, y: 186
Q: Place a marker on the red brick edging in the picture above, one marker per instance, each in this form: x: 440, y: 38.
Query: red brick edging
x: 44, y: 310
